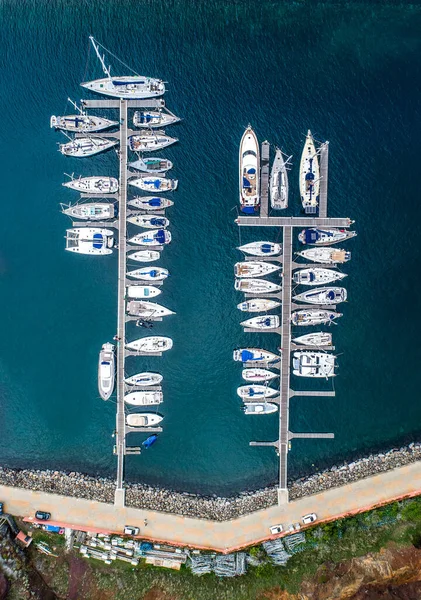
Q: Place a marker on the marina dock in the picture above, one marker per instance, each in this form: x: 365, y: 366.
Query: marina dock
x: 288, y: 225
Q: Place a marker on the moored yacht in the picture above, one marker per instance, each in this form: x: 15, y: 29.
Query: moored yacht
x: 245, y: 355
x: 150, y: 203
x: 256, y: 286
x: 309, y: 176
x: 318, y: 338
x: 144, y: 379
x: 328, y: 256
x: 89, y: 240
x: 142, y: 291
x: 258, y: 305
x: 149, y: 274
x: 254, y: 268
x: 313, y: 364
x: 148, y: 221
x: 93, y: 185
x: 316, y: 276
x: 154, y: 118
x: 150, y: 345
x: 327, y: 295
x: 90, y: 211
x: 149, y: 140
x: 265, y: 323
x: 81, y: 123
x: 148, y: 310
x: 259, y: 408
x: 143, y: 420
x: 151, y: 165
x: 144, y: 398
x: 153, y: 237
x: 144, y: 255
x: 256, y: 392
x: 256, y: 374
x: 324, y: 237
x: 106, y: 371
x: 249, y: 172
x: 261, y: 249
x: 154, y: 183
x: 279, y: 182
x: 86, y: 146
x: 313, y: 316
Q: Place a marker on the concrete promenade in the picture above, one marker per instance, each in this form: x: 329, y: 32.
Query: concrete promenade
x: 221, y: 536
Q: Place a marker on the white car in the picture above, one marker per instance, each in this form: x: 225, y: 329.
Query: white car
x: 276, y: 529
x: 307, y: 519
x: 129, y: 530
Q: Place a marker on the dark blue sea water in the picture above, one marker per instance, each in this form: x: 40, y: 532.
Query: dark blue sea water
x: 351, y: 73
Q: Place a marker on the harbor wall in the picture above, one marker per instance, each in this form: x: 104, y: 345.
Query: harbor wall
x: 139, y: 495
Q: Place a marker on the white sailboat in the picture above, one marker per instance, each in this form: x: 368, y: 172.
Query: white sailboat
x: 258, y: 305
x: 259, y: 408
x: 148, y: 221
x: 149, y: 274
x: 150, y: 345
x: 89, y: 211
x: 144, y: 255
x: 106, y: 371
x: 144, y: 398
x: 279, y: 182
x: 81, y: 122
x: 132, y: 86
x: 261, y: 249
x: 148, y: 310
x: 151, y: 165
x: 325, y: 255
x: 144, y: 379
x: 142, y: 291
x: 93, y: 185
x: 86, y: 146
x: 313, y: 364
x: 254, y: 268
x: 143, y: 420
x: 249, y: 160
x: 316, y: 276
x: 326, y: 237
x: 313, y: 316
x: 154, y: 183
x: 150, y: 203
x: 149, y: 140
x: 256, y: 374
x: 256, y: 392
x: 309, y: 176
x: 245, y: 355
x: 89, y: 240
x: 153, y: 237
x: 327, y: 295
x: 154, y: 118
x: 265, y: 323
x: 318, y: 338
x: 256, y: 286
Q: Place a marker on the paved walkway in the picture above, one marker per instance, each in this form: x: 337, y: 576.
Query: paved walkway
x: 229, y: 535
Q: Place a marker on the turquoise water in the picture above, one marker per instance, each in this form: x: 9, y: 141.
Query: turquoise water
x: 352, y: 74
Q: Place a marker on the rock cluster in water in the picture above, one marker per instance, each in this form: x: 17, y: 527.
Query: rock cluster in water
x: 139, y: 495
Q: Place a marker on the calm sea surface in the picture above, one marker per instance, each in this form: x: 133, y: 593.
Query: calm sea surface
x: 352, y: 74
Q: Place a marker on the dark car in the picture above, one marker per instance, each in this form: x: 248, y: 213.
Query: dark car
x: 1, y: 508
x: 42, y: 516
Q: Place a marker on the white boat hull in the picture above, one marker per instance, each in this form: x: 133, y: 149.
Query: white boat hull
x: 144, y: 398
x: 258, y: 305
x: 142, y: 291
x: 324, y: 237
x: 253, y: 268
x: 154, y: 237
x: 317, y: 339
x: 257, y: 408
x: 150, y: 203
x: 92, y: 240
x: 93, y: 185
x: 90, y: 211
x: 144, y: 256
x: 81, y: 123
x: 150, y: 345
x: 135, y: 88
x: 249, y: 180
x: 149, y: 310
x: 324, y: 296
x: 106, y: 371
x: 253, y: 375
x: 325, y: 255
x: 261, y: 249
x: 150, y: 141
x: 152, y: 165
x: 144, y: 379
x: 153, y: 118
x: 256, y: 392
x: 143, y: 420
x: 266, y: 323
x: 88, y: 146
x: 154, y: 183
x: 317, y: 276
x: 304, y: 318
x: 246, y: 355
x: 149, y: 274
x: 309, y: 176
x: 149, y: 221
x: 256, y: 286
x: 278, y: 183
x: 313, y: 364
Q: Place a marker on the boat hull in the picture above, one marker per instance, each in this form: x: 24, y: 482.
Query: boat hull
x: 152, y: 165
x: 144, y: 379
x: 253, y: 268
x: 82, y: 147
x: 256, y: 286
x: 325, y: 255
x: 149, y: 310
x: 323, y: 296
x: 149, y: 274
x: 246, y: 355
x: 136, y: 87
x: 149, y: 221
x: 309, y: 176
x: 324, y: 237
x: 258, y: 305
x: 278, y: 189
x: 304, y: 318
x: 92, y: 211
x: 253, y: 375
x: 106, y: 371
x: 139, y: 420
x: 261, y: 249
x: 144, y: 398
x: 317, y: 276
x: 150, y: 345
x: 153, y: 118
x: 266, y: 323
x: 257, y: 408
x: 144, y: 256
x: 256, y: 392
x: 317, y: 339
x: 154, y: 237
x: 81, y: 123
x: 150, y: 203
x: 249, y: 179
x: 93, y: 185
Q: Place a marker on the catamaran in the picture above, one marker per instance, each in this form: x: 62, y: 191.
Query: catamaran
x: 93, y: 185
x: 254, y: 268
x: 86, y: 146
x: 261, y: 249
x: 143, y: 420
x: 149, y: 274
x: 144, y: 255
x: 313, y: 364
x: 256, y: 374
x: 318, y: 338
x: 81, y: 123
x: 151, y: 165
x: 309, y: 176
x: 256, y: 392
x: 92, y: 211
x: 258, y: 305
x: 144, y: 398
x: 249, y: 172
x: 149, y: 310
x: 106, y: 371
x: 138, y: 292
x: 327, y: 295
x: 150, y: 203
x: 155, y: 183
x: 265, y: 323
x: 256, y: 286
x: 324, y: 237
x: 154, y: 118
x: 259, y: 408
x: 327, y: 256
x: 89, y: 240
x: 316, y: 276
x: 144, y: 379
x: 132, y: 86
x: 148, y: 221
x: 154, y: 237
x: 279, y: 182
x: 314, y: 316
x: 150, y: 345
x: 245, y: 355
x: 148, y: 141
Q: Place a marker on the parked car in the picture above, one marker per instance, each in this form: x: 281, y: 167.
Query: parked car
x: 1, y: 508
x: 310, y: 518
x: 42, y: 516
x: 129, y: 530
x: 276, y: 529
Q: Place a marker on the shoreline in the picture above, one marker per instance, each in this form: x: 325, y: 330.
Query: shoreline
x: 139, y: 495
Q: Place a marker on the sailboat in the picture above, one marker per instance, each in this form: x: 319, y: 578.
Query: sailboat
x: 151, y: 165
x: 256, y: 286
x: 144, y: 255
x: 150, y: 345
x: 261, y: 248
x: 259, y: 408
x: 82, y: 122
x: 154, y: 118
x: 154, y: 183
x: 132, y: 86
x: 258, y: 305
x: 245, y: 355
x: 149, y: 274
x: 256, y: 392
x: 249, y: 160
x: 150, y: 203
x: 144, y: 379
x: 316, y: 276
x: 148, y: 221
x: 309, y: 176
x: 143, y: 420
x: 313, y: 316
x: 142, y: 291
x: 254, y: 268
x: 149, y: 310
x: 256, y: 374
x: 313, y: 364
x: 92, y: 185
x: 89, y: 240
x: 324, y: 237
x: 266, y: 323
x: 153, y: 237
x: 327, y: 295
x: 86, y: 146
x: 150, y: 140
x: 89, y: 211
x: 327, y: 256
x: 144, y: 398
x: 279, y: 182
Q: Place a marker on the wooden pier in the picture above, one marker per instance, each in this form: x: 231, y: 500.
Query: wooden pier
x: 282, y: 444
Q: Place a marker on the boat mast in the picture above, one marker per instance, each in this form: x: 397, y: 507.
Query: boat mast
x: 101, y: 58
x: 75, y: 105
